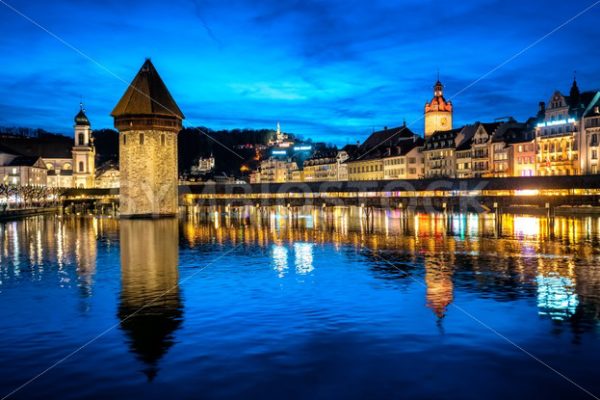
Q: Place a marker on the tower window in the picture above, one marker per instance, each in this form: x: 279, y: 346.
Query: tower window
x: 81, y: 139
x: 163, y: 139
x: 124, y: 139
x: 141, y: 138
x: 81, y: 166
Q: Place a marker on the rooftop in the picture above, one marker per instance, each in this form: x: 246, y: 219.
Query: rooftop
x: 147, y: 95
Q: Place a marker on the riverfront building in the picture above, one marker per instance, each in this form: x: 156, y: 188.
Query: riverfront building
x: 148, y: 120
x: 439, y: 152
x: 21, y: 170
x: 69, y: 163
x: 273, y: 170
x: 368, y: 163
x: 560, y: 134
x: 327, y: 166
x: 405, y: 161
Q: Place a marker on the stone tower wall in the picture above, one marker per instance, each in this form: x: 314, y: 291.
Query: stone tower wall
x: 148, y: 173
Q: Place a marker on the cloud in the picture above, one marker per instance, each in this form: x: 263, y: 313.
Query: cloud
x: 326, y: 68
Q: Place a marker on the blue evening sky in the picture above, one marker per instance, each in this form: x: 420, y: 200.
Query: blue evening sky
x: 329, y: 70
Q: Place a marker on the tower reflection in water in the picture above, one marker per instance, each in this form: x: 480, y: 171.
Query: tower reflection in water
x: 150, y: 306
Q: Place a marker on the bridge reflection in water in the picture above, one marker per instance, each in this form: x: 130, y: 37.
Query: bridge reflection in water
x: 514, y: 256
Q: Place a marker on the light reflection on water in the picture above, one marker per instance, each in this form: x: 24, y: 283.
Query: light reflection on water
x: 306, y: 289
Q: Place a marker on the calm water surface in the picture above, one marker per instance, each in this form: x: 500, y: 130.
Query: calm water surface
x: 308, y: 305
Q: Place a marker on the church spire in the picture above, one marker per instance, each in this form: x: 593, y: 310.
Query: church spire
x: 575, y: 94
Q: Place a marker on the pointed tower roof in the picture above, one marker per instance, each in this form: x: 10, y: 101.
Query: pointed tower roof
x: 147, y: 95
x: 147, y: 104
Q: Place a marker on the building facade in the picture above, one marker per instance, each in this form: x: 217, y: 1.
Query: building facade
x: 148, y: 120
x: 405, y: 162
x: 108, y: 176
x: 273, y: 170
x: 522, y: 157
x: 558, y: 138
x: 365, y: 169
x: 327, y: 167
x: 439, y: 153
x: 23, y: 171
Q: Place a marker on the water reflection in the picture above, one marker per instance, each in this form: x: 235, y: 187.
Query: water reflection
x: 66, y: 247
x: 553, y: 262
x: 150, y: 307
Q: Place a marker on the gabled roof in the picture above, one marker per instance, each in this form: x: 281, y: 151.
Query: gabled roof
x: 404, y: 147
x: 24, y: 161
x: 512, y: 132
x: 468, y: 133
x: 441, y: 139
x: 595, y: 102
x: 147, y: 95
x: 387, y: 137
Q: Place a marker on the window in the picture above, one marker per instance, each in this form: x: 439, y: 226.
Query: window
x: 81, y: 140
x: 141, y: 138
x: 163, y: 139
x: 594, y: 154
x: 124, y: 139
x: 81, y: 166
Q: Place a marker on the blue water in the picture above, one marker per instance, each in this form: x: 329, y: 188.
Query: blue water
x: 315, y: 304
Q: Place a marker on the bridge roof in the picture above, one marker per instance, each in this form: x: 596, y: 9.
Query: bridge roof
x: 525, y: 183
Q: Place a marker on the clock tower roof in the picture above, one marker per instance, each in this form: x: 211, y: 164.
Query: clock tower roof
x: 438, y: 103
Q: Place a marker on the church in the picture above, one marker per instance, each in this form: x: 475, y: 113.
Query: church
x: 78, y: 170
x: 68, y: 162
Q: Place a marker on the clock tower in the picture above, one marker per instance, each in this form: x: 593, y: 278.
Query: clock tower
x: 438, y: 112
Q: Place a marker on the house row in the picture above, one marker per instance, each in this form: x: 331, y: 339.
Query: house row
x: 562, y: 139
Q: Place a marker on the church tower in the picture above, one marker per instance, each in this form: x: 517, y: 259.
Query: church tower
x: 438, y: 112
x: 84, y: 153
x: 148, y: 120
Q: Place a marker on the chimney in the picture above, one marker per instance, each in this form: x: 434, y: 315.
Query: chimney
x: 385, y: 128
x: 542, y: 107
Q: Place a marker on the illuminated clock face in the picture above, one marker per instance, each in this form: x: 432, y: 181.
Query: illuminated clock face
x: 444, y: 121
